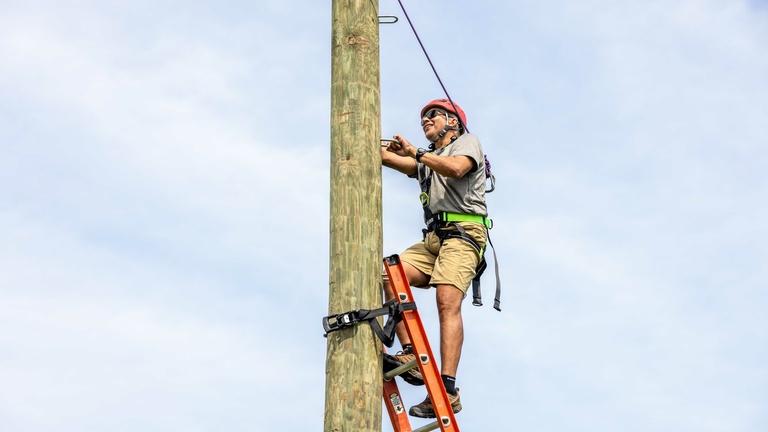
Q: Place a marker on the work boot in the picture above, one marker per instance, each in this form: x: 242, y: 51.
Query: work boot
x: 413, y: 376
x: 426, y: 410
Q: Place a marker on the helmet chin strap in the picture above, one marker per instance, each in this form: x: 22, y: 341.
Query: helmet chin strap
x: 433, y: 145
x: 443, y: 132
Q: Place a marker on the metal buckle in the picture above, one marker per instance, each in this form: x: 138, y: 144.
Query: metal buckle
x: 335, y: 322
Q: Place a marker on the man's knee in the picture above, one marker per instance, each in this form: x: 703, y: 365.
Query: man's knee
x: 449, y: 298
x: 415, y: 276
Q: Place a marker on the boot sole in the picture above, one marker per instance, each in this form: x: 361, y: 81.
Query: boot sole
x: 390, y: 363
x: 417, y: 412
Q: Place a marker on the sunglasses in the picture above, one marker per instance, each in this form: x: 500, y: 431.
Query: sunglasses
x: 434, y: 112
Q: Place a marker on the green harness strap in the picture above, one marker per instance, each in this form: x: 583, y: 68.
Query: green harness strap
x: 448, y: 218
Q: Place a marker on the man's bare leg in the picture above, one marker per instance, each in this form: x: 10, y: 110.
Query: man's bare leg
x: 449, y: 300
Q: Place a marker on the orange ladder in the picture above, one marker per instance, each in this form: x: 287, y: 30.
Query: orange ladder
x: 425, y: 361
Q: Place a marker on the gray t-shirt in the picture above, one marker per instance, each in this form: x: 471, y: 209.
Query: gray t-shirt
x: 464, y: 195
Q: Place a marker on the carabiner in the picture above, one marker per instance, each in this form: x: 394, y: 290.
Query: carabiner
x: 424, y: 198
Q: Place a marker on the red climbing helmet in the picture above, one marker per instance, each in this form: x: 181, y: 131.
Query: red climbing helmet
x: 445, y: 104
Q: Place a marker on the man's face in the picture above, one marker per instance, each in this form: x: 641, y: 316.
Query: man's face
x: 433, y: 122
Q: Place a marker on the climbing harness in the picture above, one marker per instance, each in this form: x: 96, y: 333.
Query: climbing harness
x: 445, y: 225
x: 392, y: 309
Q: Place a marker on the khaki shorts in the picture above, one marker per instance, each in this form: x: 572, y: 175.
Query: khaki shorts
x: 452, y: 263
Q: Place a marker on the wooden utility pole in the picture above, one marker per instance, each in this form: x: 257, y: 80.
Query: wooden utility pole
x: 353, y: 383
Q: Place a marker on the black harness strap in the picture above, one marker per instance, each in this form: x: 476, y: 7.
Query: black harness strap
x: 459, y: 233
x: 393, y: 309
x: 476, y: 297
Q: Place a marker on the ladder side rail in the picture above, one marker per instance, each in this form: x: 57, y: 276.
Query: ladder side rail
x: 426, y: 361
x: 395, y: 407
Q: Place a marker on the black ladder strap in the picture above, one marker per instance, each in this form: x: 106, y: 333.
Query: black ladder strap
x: 393, y: 309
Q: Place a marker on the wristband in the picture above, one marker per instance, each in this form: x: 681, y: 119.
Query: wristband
x: 419, y: 153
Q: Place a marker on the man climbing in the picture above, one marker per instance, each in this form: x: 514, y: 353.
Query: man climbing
x: 451, y: 175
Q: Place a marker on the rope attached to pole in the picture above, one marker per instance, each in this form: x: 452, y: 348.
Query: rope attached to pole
x: 415, y: 33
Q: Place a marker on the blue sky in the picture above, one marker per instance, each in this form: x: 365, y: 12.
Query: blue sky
x: 164, y: 186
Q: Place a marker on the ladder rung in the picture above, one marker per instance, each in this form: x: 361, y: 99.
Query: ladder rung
x: 405, y: 367
x: 434, y: 425
x: 428, y: 427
